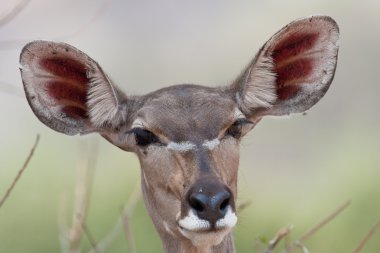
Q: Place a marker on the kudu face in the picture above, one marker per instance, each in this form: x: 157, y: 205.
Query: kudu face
x: 186, y: 136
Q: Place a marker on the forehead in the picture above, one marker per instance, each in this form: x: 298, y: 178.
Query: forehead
x: 187, y: 112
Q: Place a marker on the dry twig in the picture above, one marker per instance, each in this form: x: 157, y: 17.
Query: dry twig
x: 10, y: 14
x: 18, y: 176
x: 90, y: 238
x: 366, y: 238
x: 62, y: 225
x: 281, y: 234
x: 127, y: 213
x: 70, y: 239
x: 117, y: 229
x: 318, y: 226
x: 243, y: 205
x: 9, y: 44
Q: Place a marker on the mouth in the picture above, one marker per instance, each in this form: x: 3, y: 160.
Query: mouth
x: 203, y: 233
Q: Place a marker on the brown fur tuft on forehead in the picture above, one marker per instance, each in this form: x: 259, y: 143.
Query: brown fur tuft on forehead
x: 187, y: 112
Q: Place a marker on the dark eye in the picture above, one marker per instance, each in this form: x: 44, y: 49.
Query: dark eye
x: 235, y: 129
x: 144, y: 137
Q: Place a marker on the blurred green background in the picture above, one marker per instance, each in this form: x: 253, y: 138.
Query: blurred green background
x: 294, y: 171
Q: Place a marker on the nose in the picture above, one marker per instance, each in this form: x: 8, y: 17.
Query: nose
x: 210, y: 202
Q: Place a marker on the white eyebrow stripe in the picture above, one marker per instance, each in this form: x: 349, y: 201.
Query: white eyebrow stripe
x: 211, y: 144
x: 239, y: 114
x: 182, y: 146
x: 138, y: 123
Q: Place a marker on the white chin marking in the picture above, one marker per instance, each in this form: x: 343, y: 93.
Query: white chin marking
x: 211, y: 144
x: 199, y: 231
x: 205, y: 239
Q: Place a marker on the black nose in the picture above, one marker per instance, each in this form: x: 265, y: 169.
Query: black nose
x: 210, y: 205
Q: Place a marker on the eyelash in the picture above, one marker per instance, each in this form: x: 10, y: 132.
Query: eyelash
x: 235, y: 130
x: 143, y: 137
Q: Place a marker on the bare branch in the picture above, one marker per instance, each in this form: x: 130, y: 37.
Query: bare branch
x: 128, y: 233
x: 318, y: 226
x: 18, y: 176
x: 324, y: 221
x: 10, y: 14
x: 366, y: 238
x: 127, y: 213
x: 62, y: 225
x: 90, y: 238
x: 86, y: 169
x: 281, y: 234
x: 10, y: 44
x: 118, y: 228
x: 243, y: 205
x: 302, y: 247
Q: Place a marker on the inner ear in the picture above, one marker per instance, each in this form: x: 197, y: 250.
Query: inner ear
x: 67, y: 90
x: 293, y: 70
x: 304, y: 55
x: 293, y: 61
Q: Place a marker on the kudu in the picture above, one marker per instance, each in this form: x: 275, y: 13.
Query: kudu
x: 186, y: 136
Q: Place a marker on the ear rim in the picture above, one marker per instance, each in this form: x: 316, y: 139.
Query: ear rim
x: 69, y: 127
x: 277, y: 107
x: 329, y: 73
x: 94, y: 73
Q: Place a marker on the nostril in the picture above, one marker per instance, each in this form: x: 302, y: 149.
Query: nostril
x: 198, y: 202
x: 224, y: 204
x: 222, y: 201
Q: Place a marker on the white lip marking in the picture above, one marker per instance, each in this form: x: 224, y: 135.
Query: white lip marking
x: 193, y: 223
x: 228, y: 221
x: 182, y: 146
x: 192, y: 226
x: 211, y: 144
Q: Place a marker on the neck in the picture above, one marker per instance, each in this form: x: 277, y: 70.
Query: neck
x: 175, y: 245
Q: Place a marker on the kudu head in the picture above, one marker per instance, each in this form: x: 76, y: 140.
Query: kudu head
x: 185, y: 136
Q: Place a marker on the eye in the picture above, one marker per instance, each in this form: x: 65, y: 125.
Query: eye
x: 144, y: 137
x: 235, y: 130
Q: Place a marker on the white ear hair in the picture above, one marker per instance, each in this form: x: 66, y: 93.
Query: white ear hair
x: 259, y: 81
x: 103, y: 99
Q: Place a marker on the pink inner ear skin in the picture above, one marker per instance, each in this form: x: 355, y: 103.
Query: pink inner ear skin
x: 75, y: 112
x: 287, y: 92
x: 291, y: 67
x: 69, y: 89
x: 291, y: 72
x: 66, y: 91
x: 65, y: 68
x: 294, y: 45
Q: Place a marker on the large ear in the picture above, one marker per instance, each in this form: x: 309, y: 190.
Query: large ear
x: 67, y: 90
x: 292, y: 71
